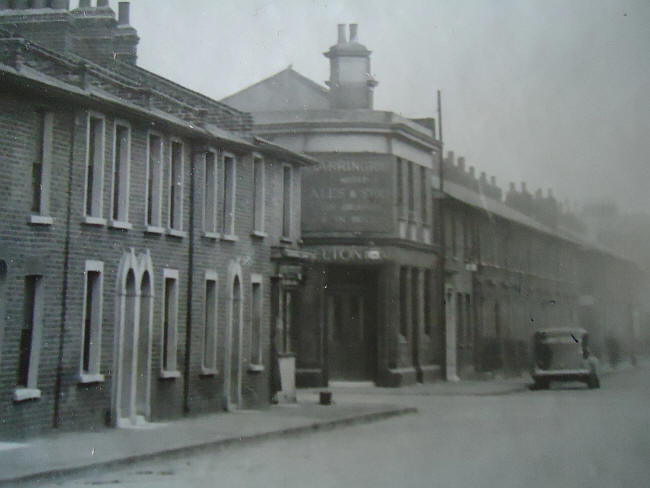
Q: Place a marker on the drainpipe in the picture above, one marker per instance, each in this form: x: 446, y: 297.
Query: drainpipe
x: 56, y: 419
x: 190, y: 279
x: 443, y: 244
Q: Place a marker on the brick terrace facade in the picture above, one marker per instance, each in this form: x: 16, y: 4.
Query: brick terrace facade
x: 141, y: 238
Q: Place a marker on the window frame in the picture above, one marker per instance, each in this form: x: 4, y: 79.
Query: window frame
x: 229, y: 192
x: 259, y: 194
x: 287, y: 204
x: 92, y: 375
x: 30, y: 390
x: 122, y: 186
x: 41, y: 215
x: 153, y: 223
x: 96, y: 216
x: 256, y: 357
x: 175, y: 228
x: 213, y: 229
x: 210, y: 369
x: 169, y: 341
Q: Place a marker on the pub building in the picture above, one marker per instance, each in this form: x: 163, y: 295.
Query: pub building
x: 369, y: 306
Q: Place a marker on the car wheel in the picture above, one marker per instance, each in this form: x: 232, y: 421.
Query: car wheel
x: 541, y: 384
x: 593, y: 381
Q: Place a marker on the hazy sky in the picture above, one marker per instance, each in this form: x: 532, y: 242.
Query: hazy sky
x: 552, y: 92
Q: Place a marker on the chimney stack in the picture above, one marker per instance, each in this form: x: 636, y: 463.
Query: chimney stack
x: 353, y: 32
x: 512, y: 186
x: 523, y: 187
x: 342, y: 39
x: 102, y: 4
x: 538, y: 194
x: 493, y: 180
x: 123, y: 13
x: 471, y: 171
x: 461, y: 164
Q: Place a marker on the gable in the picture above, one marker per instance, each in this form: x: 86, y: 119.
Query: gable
x: 286, y: 90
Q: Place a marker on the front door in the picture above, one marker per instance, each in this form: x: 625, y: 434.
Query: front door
x: 351, y: 328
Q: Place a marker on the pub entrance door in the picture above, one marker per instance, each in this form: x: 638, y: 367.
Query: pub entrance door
x: 352, y: 333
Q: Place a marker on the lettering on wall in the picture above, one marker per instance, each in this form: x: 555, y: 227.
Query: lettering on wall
x: 349, y: 193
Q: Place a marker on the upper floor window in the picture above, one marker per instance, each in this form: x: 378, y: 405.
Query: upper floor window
x: 92, y: 322
x: 228, y: 195
x: 258, y: 193
x: 154, y: 180
x: 210, y: 193
x: 94, y: 165
x: 176, y: 186
x: 286, y: 201
x: 424, y: 196
x: 411, y: 189
x: 121, y: 172
x: 42, y: 166
x: 401, y: 187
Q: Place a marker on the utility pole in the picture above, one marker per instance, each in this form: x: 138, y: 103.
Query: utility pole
x: 441, y: 233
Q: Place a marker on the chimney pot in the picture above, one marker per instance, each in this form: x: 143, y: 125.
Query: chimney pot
x: 84, y: 3
x: 123, y: 13
x: 102, y: 3
x: 342, y: 39
x: 353, y: 32
x: 483, y: 177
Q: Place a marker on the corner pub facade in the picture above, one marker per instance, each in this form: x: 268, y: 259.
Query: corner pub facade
x: 149, y: 243
x: 368, y: 309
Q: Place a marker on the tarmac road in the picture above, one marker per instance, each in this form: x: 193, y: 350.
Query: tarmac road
x: 566, y: 437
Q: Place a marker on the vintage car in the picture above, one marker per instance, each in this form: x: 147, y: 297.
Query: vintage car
x: 563, y: 355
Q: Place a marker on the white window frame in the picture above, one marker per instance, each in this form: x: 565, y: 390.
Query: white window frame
x: 228, y: 218
x: 209, y: 368
x: 122, y: 186
x: 97, y: 192
x: 93, y: 374
x: 42, y: 216
x: 259, y: 195
x: 287, y: 196
x: 210, y: 229
x: 256, y: 360
x: 31, y: 390
x: 177, y: 229
x: 153, y: 223
x: 170, y: 346
x: 4, y: 271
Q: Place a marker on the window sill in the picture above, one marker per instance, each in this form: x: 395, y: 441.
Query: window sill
x: 286, y: 240
x: 255, y: 368
x: 208, y: 371
x: 88, y: 220
x: 259, y: 233
x: 152, y: 229
x: 176, y: 233
x: 22, y: 394
x: 40, y: 220
x: 169, y: 375
x: 229, y: 238
x: 118, y: 224
x: 87, y: 378
x: 212, y: 235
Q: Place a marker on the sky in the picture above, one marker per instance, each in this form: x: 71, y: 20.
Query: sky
x: 555, y: 93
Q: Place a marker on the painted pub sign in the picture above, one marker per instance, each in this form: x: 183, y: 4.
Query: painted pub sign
x: 349, y: 192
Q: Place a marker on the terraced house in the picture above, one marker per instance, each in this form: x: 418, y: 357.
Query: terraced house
x: 149, y: 243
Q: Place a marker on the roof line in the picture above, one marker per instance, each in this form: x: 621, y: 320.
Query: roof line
x: 289, y: 69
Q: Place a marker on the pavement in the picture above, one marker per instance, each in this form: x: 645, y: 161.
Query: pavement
x: 59, y: 455
x: 65, y: 454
